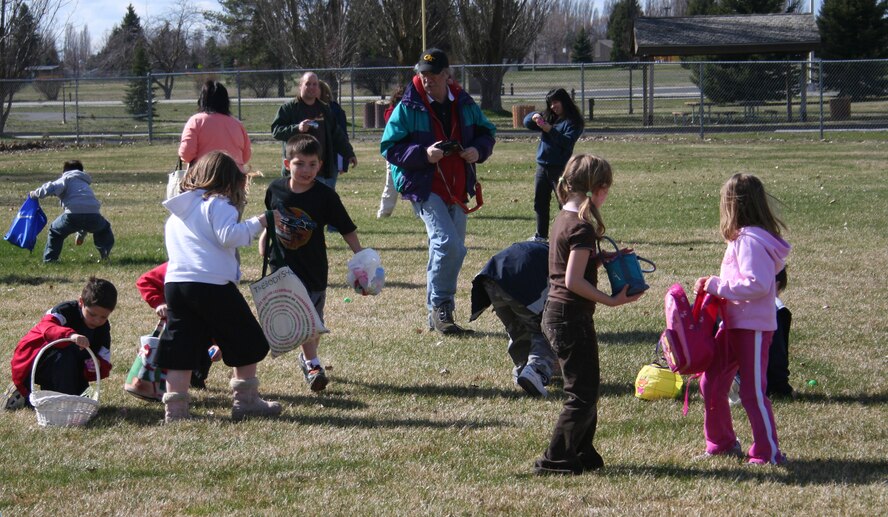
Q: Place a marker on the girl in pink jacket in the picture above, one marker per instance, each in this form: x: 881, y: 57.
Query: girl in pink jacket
x: 755, y: 254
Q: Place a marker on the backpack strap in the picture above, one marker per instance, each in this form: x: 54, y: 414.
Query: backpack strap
x: 274, y: 254
x: 684, y: 409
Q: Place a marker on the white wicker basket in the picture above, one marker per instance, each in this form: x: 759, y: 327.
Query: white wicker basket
x: 59, y: 409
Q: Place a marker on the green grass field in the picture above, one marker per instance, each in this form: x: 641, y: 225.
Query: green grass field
x: 415, y: 423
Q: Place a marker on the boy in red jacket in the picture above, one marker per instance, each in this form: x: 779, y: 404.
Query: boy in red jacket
x: 144, y: 381
x: 67, y: 367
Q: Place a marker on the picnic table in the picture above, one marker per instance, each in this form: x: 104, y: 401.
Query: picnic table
x: 709, y: 116
x: 750, y: 108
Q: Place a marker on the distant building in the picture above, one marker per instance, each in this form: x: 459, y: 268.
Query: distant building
x: 45, y: 71
x: 602, y: 50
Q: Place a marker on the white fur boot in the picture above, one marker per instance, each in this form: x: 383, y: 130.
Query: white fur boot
x: 247, y: 402
x: 176, y: 405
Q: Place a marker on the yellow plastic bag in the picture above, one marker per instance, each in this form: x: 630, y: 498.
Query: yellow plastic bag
x: 655, y: 381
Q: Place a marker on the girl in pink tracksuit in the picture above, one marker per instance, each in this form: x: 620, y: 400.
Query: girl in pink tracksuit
x: 755, y: 254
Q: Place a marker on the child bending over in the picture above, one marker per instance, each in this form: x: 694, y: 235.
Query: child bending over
x: 67, y: 367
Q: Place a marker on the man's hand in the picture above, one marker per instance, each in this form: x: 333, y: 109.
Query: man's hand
x: 434, y: 153
x: 469, y: 155
x: 306, y: 125
x: 353, y: 161
x: 161, y: 311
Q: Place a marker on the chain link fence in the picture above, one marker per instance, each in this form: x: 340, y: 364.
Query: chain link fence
x: 638, y: 97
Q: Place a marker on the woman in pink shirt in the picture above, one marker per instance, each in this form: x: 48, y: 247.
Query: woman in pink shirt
x: 214, y: 129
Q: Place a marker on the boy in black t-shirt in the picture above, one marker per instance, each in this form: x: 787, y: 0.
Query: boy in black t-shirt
x: 311, y: 206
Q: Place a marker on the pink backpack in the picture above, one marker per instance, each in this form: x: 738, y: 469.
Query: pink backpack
x: 688, y: 343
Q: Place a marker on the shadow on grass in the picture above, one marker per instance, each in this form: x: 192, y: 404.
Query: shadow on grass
x: 632, y: 337
x: 151, y: 415
x: 678, y: 244
x: 866, y: 399
x: 796, y: 472
x: 146, y: 261
x: 471, y: 391
x: 510, y: 218
x: 18, y: 280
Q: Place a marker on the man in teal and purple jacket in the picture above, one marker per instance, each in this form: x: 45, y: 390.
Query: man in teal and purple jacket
x: 433, y: 140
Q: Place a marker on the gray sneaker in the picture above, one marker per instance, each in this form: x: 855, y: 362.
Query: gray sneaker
x: 12, y: 399
x: 315, y: 377
x: 532, y: 382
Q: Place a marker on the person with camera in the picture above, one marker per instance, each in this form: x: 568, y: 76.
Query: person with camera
x: 433, y: 140
x: 308, y: 114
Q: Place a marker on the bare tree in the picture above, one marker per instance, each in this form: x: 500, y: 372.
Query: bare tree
x: 22, y: 25
x: 314, y: 33
x: 497, y: 32
x: 77, y: 49
x: 560, y: 28
x: 168, y: 43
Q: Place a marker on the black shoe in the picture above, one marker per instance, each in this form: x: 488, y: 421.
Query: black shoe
x: 591, y: 460
x: 441, y: 319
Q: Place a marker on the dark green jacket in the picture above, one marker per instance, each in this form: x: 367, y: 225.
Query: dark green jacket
x: 286, y: 124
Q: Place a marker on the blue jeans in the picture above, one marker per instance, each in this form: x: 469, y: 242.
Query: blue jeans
x: 446, y: 228
x: 331, y: 181
x: 66, y: 224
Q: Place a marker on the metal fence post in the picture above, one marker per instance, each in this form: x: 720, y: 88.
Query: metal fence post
x: 77, y: 109
x: 352, y: 88
x: 150, y: 109
x: 702, y: 135
x: 237, y: 81
x: 820, y: 87
x: 583, y: 89
x: 631, y: 66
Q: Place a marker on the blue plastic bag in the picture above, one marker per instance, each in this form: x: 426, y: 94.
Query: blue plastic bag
x: 27, y: 225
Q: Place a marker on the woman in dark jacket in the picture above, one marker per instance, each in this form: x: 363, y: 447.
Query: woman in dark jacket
x: 560, y: 125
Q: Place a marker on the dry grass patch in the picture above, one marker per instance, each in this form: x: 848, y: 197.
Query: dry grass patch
x: 416, y: 423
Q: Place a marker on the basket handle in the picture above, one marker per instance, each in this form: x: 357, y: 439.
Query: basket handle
x: 57, y: 341
x: 651, y: 262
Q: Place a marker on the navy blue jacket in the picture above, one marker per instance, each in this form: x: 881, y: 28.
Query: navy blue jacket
x: 521, y: 270
x: 556, y: 146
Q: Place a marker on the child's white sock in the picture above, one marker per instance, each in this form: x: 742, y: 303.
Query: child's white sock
x: 312, y: 362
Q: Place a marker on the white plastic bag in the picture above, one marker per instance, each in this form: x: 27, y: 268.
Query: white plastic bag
x: 365, y: 272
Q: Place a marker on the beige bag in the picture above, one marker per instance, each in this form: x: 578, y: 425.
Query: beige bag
x: 286, y: 313
x: 175, y: 178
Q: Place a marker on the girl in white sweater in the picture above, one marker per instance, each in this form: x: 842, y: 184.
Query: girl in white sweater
x: 203, y: 302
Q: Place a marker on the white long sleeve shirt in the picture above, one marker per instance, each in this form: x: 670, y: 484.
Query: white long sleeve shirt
x: 202, y: 237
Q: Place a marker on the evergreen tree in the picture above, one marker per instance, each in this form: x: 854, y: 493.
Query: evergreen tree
x: 619, y: 28
x: 213, y: 54
x: 854, y: 29
x: 137, y: 92
x: 116, y: 57
x: 581, y: 52
x: 723, y: 83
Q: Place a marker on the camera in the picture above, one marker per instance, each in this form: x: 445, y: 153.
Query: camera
x: 449, y: 147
